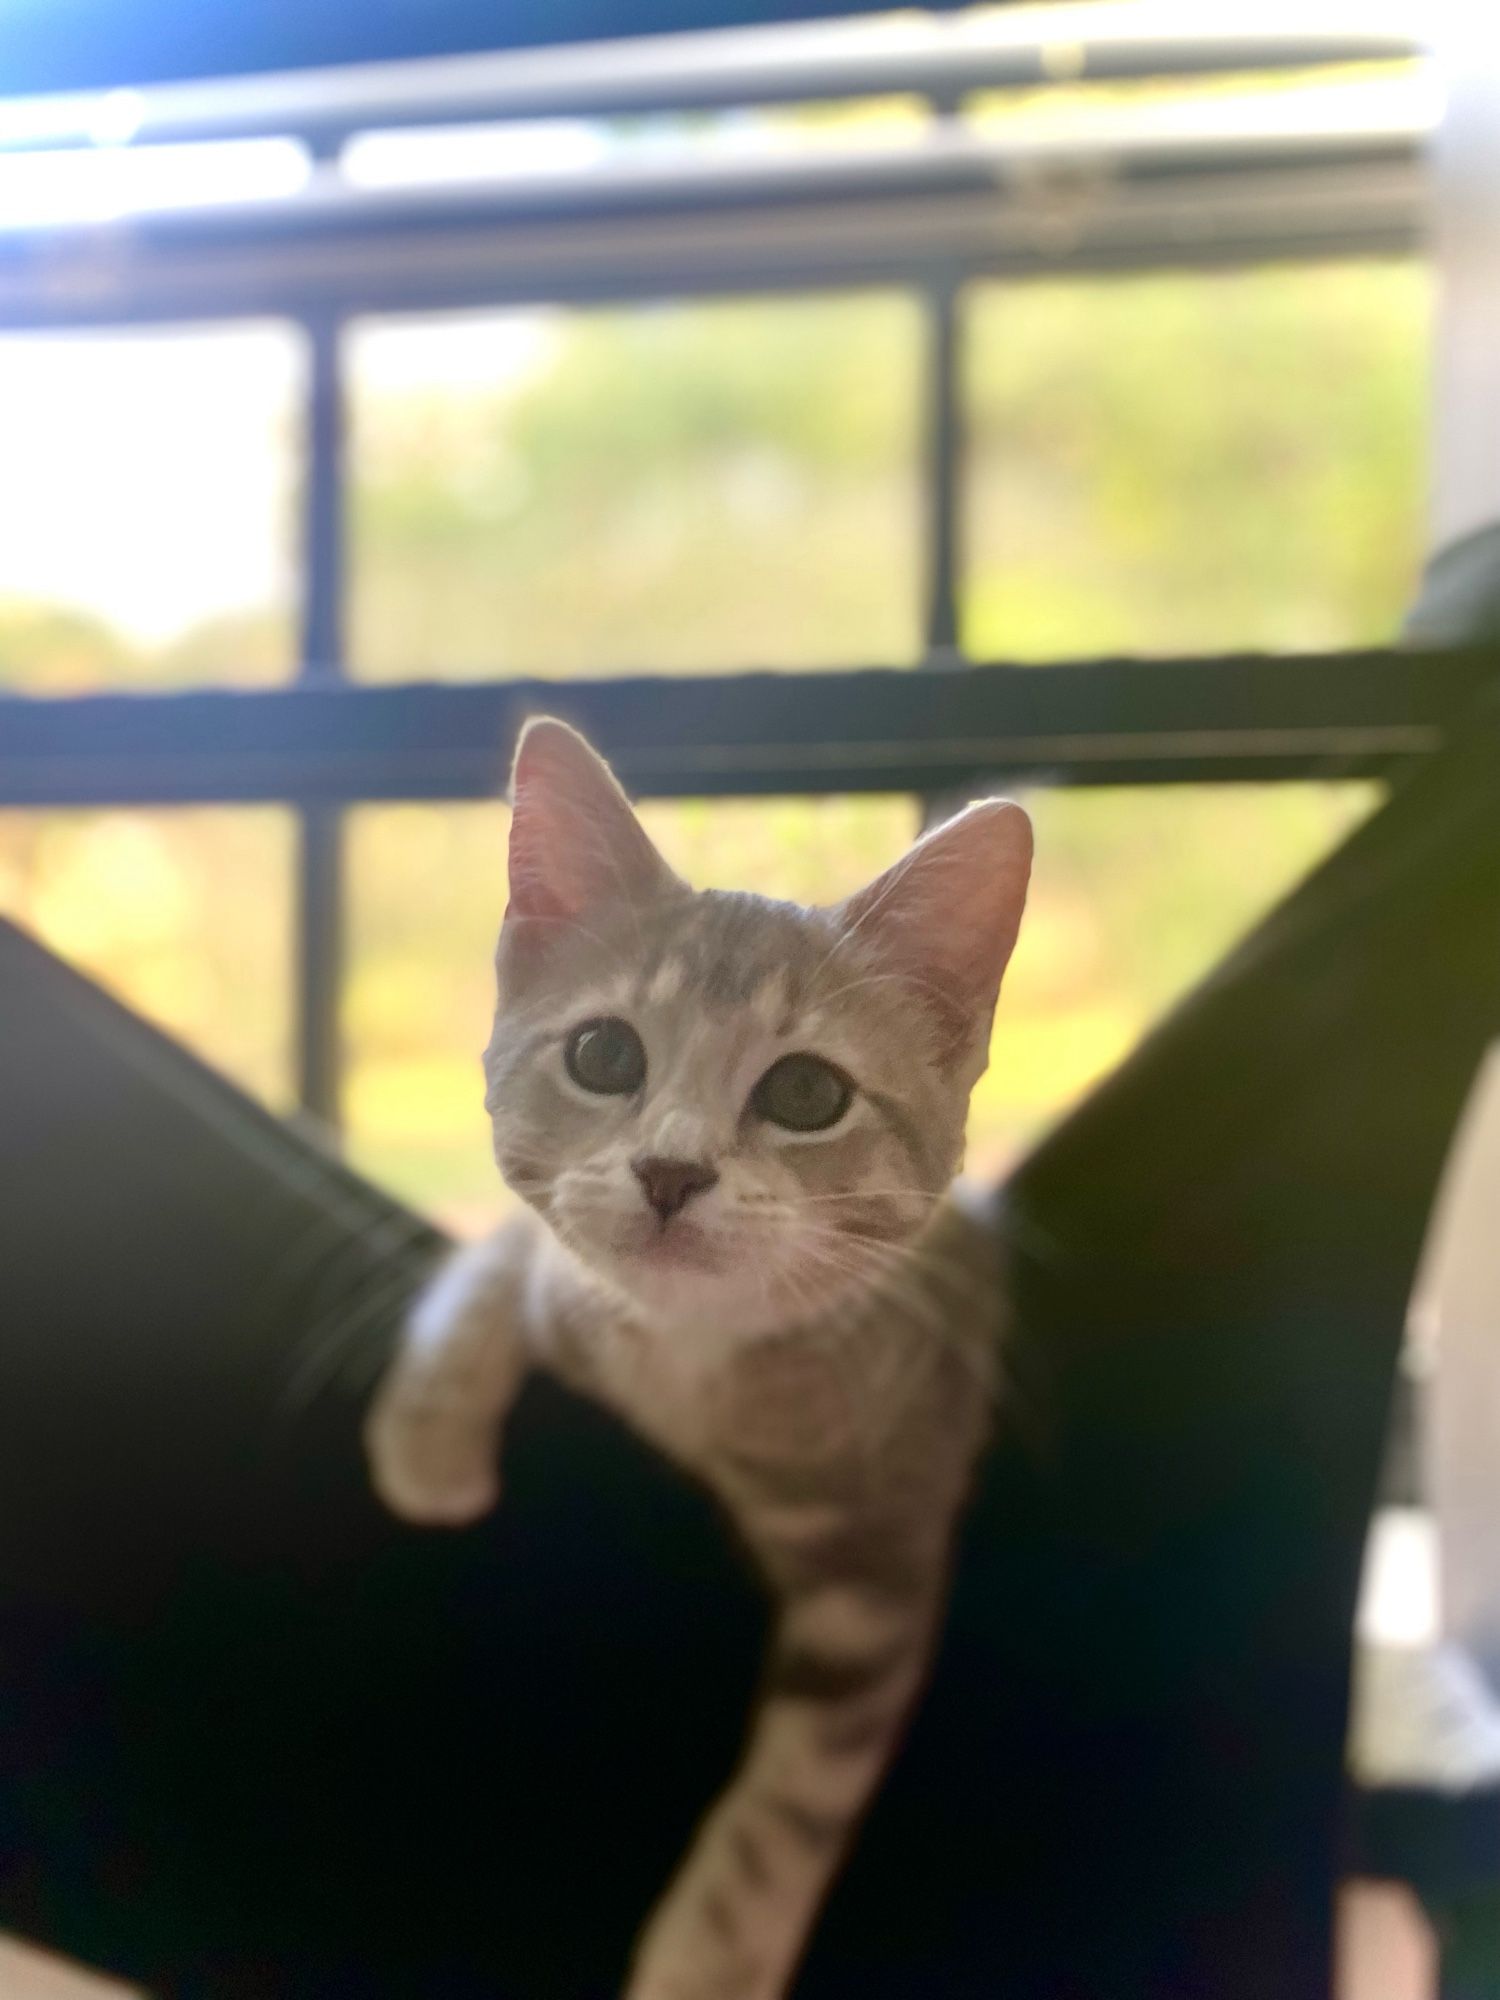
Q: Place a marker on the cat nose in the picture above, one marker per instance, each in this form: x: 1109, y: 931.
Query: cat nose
x: 670, y: 1185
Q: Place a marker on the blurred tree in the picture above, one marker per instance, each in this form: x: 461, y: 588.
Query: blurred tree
x: 1158, y: 464
x: 670, y: 489
x: 1192, y: 463
x: 55, y: 649
x: 185, y: 914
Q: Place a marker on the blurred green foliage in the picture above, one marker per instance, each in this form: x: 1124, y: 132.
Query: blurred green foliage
x: 1163, y: 464
x: 669, y: 490
x: 1191, y: 464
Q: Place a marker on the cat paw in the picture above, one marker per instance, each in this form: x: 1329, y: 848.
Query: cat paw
x: 429, y: 1465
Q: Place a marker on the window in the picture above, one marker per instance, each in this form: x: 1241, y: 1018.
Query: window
x: 1196, y: 462
x: 146, y: 513
x: 669, y: 489
x: 1175, y: 459
x: 1136, y: 895
x: 184, y: 915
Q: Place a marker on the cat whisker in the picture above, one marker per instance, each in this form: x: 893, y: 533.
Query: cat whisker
x: 330, y: 1345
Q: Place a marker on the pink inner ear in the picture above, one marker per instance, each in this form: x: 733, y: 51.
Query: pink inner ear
x: 949, y: 911
x: 575, y: 844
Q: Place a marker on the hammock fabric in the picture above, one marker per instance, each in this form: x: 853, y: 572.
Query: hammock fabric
x: 258, y: 1740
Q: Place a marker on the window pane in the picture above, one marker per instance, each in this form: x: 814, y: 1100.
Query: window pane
x: 146, y: 512
x: 1137, y: 894
x: 184, y: 915
x: 425, y: 897
x: 673, y: 489
x: 1196, y: 462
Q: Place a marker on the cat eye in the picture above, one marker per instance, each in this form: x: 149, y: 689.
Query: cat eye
x: 606, y: 1057
x: 802, y: 1093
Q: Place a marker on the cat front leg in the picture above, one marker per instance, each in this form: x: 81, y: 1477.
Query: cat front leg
x: 846, y: 1665
x: 432, y: 1436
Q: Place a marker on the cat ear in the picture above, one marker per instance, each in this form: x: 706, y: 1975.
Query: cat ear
x: 575, y: 844
x: 948, y: 912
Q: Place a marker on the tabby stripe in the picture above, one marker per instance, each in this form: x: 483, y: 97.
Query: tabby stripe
x: 802, y: 1674
x: 720, y: 1916
x: 780, y: 1486
x: 857, y: 1733
x: 905, y: 1128
x: 749, y: 1855
x: 813, y: 1828
x: 886, y: 1574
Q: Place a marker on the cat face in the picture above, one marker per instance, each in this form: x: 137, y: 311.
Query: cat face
x: 735, y: 1111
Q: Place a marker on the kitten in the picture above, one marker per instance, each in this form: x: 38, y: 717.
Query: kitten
x: 733, y: 1123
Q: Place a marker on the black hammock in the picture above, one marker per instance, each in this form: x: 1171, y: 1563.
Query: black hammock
x: 258, y: 1740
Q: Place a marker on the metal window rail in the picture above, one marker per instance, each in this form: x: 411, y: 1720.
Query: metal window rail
x: 330, y: 742
x: 1132, y: 185
x: 938, y: 59
x: 964, y: 206
x: 930, y: 216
